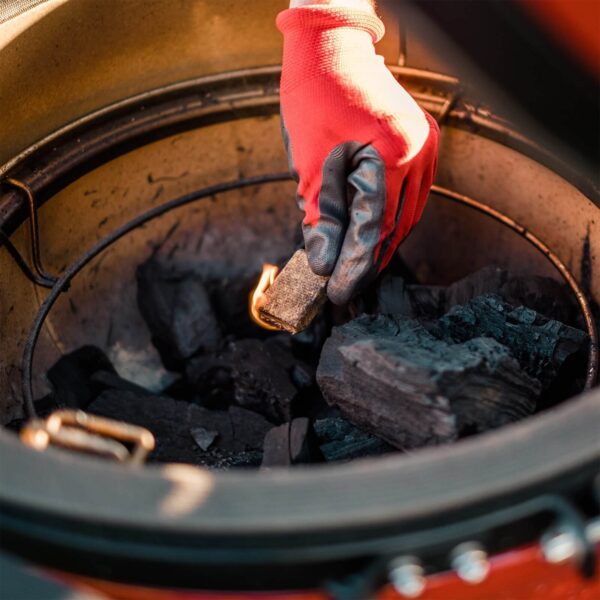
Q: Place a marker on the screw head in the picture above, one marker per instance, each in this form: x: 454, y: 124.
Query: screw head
x: 470, y: 561
x: 407, y: 576
x: 561, y: 545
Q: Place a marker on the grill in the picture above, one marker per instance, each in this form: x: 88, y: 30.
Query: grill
x: 347, y: 529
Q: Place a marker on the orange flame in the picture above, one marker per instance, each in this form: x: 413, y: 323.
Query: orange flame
x: 267, y: 277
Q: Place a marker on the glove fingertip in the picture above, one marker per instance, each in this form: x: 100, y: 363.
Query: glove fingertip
x: 322, y: 247
x: 339, y: 294
x: 319, y: 264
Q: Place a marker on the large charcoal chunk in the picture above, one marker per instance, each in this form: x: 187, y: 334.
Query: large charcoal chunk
x: 250, y: 373
x: 539, y: 344
x: 177, y: 310
x: 391, y: 377
x: 71, y: 376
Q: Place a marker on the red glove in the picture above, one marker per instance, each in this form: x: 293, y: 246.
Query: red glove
x: 363, y: 152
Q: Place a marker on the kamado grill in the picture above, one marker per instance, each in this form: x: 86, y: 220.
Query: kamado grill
x: 511, y: 513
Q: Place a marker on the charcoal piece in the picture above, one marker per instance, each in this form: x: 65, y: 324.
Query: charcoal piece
x: 71, y: 375
x: 488, y: 280
x: 180, y: 389
x: 250, y: 374
x: 284, y: 355
x: 543, y: 294
x: 295, y: 297
x: 229, y: 296
x: 390, y: 377
x: 170, y: 421
x: 340, y: 440
x: 203, y: 437
x: 302, y: 376
x: 307, y: 344
x: 290, y: 444
x: 304, y: 447
x: 395, y: 297
x: 249, y: 428
x: 276, y: 447
x: 212, y: 380
x: 105, y: 380
x: 280, y: 343
x: 539, y: 344
x: 178, y: 312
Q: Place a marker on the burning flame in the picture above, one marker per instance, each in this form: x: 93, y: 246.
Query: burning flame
x: 267, y: 277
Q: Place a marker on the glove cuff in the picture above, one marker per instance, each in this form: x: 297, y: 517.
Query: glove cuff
x: 329, y: 17
x: 325, y: 41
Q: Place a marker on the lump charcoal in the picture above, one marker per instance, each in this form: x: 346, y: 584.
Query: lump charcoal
x: 279, y: 346
x: 211, y: 380
x: 71, y: 376
x: 307, y: 344
x: 394, y: 296
x: 276, y: 448
x: 249, y: 428
x: 177, y: 309
x: 109, y: 380
x: 295, y: 297
x: 304, y: 447
x: 340, y: 440
x: 490, y: 279
x: 171, y: 422
x: 540, y: 345
x: 203, y: 437
x: 292, y: 355
x: 229, y: 296
x: 302, y: 376
x: 291, y: 443
x: 543, y: 294
x: 180, y: 389
x: 390, y: 377
x: 250, y: 374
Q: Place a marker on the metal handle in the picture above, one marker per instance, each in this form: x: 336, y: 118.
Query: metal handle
x: 80, y: 431
x: 38, y: 274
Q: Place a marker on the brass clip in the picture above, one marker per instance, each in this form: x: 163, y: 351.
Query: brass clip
x: 77, y: 430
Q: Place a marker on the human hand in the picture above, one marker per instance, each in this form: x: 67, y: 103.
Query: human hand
x: 363, y: 152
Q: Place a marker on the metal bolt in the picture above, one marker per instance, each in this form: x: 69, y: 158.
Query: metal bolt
x: 561, y: 545
x: 470, y: 561
x: 407, y: 576
x: 592, y: 531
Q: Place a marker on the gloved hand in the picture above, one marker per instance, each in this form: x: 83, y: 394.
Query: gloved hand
x: 363, y: 152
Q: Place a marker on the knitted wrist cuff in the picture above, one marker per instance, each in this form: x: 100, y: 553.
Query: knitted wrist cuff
x: 329, y: 17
